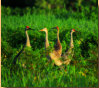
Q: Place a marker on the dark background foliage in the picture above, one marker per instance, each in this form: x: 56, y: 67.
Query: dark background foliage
x: 50, y: 4
x: 58, y: 7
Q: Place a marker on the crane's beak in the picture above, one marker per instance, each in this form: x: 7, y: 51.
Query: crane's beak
x: 53, y: 28
x: 41, y: 30
x: 32, y: 29
x: 29, y: 29
x: 76, y: 31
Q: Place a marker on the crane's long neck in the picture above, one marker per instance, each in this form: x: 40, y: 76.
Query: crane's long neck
x: 57, y: 35
x: 27, y: 39
x: 71, y: 41
x: 58, y: 41
x: 46, y: 40
x: 59, y: 47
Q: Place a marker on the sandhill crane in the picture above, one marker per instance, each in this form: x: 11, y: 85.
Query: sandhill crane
x: 46, y: 41
x: 46, y: 37
x: 26, y: 51
x: 58, y: 46
x: 69, y: 53
x: 56, y: 53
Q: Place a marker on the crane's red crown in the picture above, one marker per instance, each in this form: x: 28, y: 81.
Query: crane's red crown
x: 27, y: 26
x: 57, y: 27
x: 73, y: 29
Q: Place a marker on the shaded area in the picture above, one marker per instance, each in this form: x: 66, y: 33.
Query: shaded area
x: 18, y: 3
x: 51, y: 4
x: 85, y: 46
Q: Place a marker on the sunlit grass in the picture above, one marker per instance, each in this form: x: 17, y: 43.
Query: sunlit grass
x: 82, y: 72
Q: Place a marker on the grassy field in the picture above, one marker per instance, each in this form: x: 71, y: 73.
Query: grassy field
x: 83, y: 70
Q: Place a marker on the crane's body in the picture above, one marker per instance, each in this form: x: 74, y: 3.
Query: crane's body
x: 58, y: 46
x: 56, y: 53
x: 56, y: 58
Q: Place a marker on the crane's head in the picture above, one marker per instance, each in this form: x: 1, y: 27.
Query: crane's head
x: 55, y: 28
x: 44, y: 29
x: 73, y: 30
x: 27, y: 28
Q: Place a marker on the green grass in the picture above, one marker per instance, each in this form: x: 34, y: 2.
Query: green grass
x: 83, y: 70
